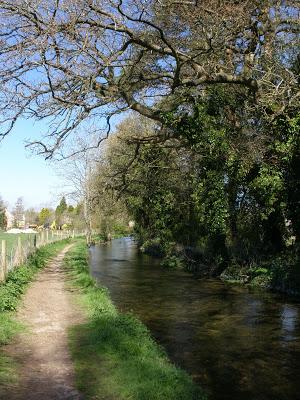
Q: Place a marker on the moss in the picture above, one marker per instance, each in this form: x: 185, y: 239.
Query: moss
x: 235, y: 273
x: 173, y: 262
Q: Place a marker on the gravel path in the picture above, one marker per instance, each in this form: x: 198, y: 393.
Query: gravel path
x: 46, y: 370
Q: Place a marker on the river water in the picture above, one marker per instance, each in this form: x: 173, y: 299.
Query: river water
x: 236, y: 343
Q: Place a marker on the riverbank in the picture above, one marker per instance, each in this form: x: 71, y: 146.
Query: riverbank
x: 11, y: 293
x: 114, y: 353
x: 278, y: 274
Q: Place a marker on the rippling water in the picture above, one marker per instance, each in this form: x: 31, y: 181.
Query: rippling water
x: 236, y: 343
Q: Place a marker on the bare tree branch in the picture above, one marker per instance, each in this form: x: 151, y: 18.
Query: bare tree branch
x: 91, y: 59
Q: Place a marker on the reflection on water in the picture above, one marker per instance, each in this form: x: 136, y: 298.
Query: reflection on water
x: 290, y: 319
x: 236, y: 344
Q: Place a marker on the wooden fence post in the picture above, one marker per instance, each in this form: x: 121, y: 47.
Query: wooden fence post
x: 3, y: 265
x: 19, y: 258
x: 47, y: 236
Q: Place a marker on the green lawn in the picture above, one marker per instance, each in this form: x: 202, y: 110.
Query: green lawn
x: 12, y: 239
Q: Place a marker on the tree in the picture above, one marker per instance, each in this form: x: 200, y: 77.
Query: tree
x: 31, y: 216
x: 18, y: 213
x: 76, y: 173
x: 3, y: 220
x: 60, y: 211
x: 221, y: 181
x: 85, y: 61
x: 71, y: 209
x: 45, y: 216
x: 150, y: 182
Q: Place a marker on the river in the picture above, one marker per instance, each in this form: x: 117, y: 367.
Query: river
x: 237, y: 343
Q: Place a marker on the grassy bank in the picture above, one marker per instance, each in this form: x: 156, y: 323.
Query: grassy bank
x: 114, y: 354
x: 10, y: 294
x: 277, y: 273
x: 280, y: 274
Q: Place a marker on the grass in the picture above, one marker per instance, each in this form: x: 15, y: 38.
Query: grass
x: 12, y: 239
x: 114, y: 354
x: 10, y: 294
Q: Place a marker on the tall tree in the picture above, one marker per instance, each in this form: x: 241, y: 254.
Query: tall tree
x: 18, y: 213
x: 60, y: 211
x: 220, y: 181
x: 45, y: 216
x: 85, y: 61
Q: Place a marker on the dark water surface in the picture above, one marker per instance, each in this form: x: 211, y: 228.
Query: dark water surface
x: 235, y: 343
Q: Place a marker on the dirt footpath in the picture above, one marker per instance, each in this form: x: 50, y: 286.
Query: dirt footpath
x: 46, y: 371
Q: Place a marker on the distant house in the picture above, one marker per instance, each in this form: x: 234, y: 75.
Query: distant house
x: 11, y: 223
x: 9, y: 218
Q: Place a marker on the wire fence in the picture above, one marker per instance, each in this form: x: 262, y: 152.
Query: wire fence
x: 13, y: 255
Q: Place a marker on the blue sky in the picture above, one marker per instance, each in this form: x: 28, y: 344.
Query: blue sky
x: 23, y: 174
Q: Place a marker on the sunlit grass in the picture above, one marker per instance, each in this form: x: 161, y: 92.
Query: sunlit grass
x: 12, y: 239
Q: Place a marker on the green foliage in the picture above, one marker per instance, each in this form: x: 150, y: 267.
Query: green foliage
x: 45, y: 216
x: 62, y: 205
x: 256, y: 271
x: 8, y: 327
x: 211, y: 202
x: 269, y: 184
x: 285, y: 272
x: 18, y: 213
x: 114, y: 354
x: 172, y: 262
x: 225, y: 179
x: 60, y: 210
